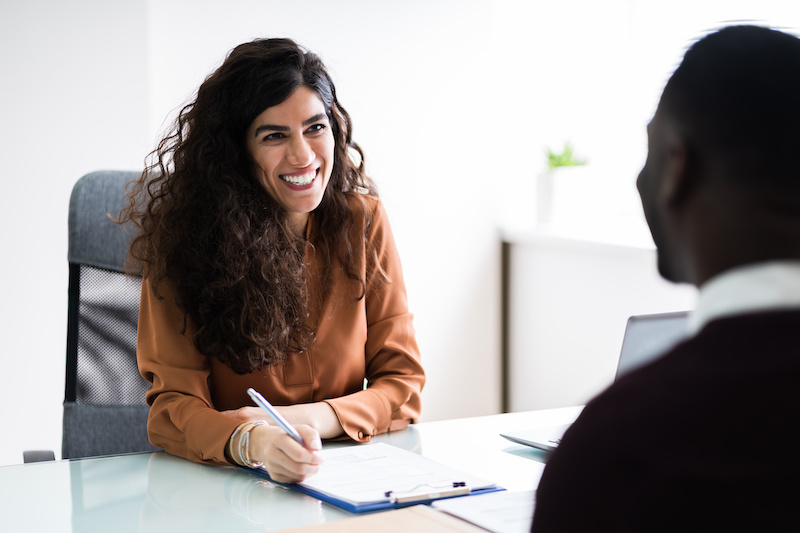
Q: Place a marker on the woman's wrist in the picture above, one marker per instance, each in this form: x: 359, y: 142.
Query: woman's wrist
x: 238, y: 448
x: 230, y: 448
x: 326, y: 421
x: 320, y: 415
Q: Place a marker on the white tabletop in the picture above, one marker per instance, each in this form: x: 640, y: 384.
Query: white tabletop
x: 156, y: 492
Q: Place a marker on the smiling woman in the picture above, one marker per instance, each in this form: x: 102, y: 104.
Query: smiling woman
x: 292, y: 145
x: 268, y: 262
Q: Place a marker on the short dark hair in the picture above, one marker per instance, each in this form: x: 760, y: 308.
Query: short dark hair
x: 735, y: 100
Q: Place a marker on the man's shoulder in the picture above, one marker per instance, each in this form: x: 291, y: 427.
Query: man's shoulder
x: 772, y: 329
x: 686, y: 435
x: 735, y: 374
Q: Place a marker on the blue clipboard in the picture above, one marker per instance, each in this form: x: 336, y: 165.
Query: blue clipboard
x: 390, y: 503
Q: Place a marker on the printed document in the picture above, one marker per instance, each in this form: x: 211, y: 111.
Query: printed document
x: 375, y: 473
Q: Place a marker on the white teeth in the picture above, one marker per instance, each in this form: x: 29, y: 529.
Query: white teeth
x: 301, y: 180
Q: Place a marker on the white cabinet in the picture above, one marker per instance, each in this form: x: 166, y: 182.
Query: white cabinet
x: 566, y: 302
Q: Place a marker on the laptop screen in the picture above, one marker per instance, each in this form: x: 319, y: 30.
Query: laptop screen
x: 649, y: 336
x: 646, y: 338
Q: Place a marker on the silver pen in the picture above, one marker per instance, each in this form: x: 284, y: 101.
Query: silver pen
x: 275, y: 416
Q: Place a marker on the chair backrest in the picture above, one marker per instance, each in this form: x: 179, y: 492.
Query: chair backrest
x: 104, y: 406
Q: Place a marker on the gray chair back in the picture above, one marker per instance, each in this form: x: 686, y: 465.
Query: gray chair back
x: 104, y: 407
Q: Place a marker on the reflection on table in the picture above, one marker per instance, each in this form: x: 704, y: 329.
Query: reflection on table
x: 156, y: 492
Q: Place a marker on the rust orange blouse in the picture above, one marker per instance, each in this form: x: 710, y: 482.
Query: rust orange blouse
x: 370, y: 338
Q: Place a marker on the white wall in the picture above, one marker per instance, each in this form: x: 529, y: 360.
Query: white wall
x: 403, y: 73
x: 453, y: 102
x: 72, y: 100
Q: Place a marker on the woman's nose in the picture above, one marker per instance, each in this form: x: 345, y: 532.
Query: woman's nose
x: 299, y: 153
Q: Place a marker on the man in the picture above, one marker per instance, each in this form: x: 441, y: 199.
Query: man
x: 707, y: 438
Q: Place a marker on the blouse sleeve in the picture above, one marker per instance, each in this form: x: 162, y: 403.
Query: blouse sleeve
x: 394, y: 372
x: 182, y: 418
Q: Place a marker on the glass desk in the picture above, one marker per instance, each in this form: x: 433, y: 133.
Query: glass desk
x: 155, y: 492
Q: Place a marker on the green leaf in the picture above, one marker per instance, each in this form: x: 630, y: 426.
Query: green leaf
x: 566, y: 158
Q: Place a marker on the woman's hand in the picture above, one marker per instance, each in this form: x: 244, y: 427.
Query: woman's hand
x: 248, y: 414
x: 320, y: 416
x: 284, y: 459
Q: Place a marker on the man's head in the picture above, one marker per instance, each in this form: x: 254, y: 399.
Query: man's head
x: 721, y: 185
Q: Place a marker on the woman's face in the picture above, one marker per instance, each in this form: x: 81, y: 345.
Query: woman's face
x: 292, y: 146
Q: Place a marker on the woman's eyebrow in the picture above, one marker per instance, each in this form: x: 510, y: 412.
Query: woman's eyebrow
x: 315, y: 118
x: 273, y: 127
x: 269, y: 127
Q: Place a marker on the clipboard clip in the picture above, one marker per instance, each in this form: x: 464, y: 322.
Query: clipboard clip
x: 457, y: 488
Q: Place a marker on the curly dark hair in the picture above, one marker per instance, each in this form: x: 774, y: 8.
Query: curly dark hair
x: 209, y: 231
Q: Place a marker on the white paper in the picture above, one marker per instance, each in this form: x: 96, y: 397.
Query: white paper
x: 362, y: 474
x: 500, y: 512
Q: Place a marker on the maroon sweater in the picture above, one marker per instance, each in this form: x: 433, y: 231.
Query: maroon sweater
x: 706, y: 438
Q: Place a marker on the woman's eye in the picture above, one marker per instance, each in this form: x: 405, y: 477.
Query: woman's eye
x: 316, y: 128
x: 273, y: 136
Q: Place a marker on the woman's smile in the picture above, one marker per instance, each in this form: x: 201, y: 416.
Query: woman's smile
x: 300, y: 181
x: 292, y: 145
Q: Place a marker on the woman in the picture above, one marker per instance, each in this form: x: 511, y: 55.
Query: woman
x: 268, y: 262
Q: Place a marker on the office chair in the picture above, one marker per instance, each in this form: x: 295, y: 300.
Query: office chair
x: 104, y: 406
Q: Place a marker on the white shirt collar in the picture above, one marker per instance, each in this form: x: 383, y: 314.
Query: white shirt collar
x: 756, y: 287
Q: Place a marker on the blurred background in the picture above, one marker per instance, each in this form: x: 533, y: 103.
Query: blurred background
x: 454, y: 103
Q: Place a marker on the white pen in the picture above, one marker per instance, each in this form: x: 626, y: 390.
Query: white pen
x: 275, y: 416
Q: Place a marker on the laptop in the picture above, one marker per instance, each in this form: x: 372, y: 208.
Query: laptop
x: 646, y: 338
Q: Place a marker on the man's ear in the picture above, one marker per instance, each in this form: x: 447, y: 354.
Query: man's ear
x: 676, y: 184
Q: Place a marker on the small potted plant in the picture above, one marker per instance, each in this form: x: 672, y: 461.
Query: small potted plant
x: 547, y: 184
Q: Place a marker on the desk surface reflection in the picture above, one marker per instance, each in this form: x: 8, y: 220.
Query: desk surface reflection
x: 155, y: 492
